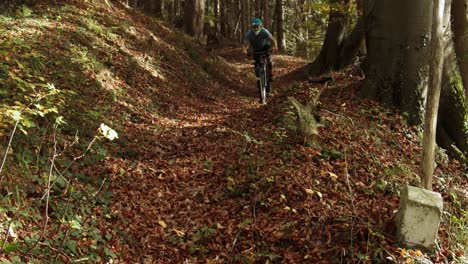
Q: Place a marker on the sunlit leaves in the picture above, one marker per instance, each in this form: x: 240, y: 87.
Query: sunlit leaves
x: 25, y: 94
x: 162, y: 223
x: 23, y: 11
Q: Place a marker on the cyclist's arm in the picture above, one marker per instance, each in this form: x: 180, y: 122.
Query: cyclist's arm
x: 245, y: 46
x: 274, y: 46
x: 246, y: 42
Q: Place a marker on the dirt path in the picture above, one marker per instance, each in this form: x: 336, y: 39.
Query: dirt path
x: 219, y: 178
x: 181, y: 197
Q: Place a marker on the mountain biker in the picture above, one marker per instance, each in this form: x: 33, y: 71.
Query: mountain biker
x: 260, y: 39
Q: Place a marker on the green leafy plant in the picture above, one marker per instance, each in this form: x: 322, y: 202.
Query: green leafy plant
x: 68, y: 218
x: 201, y: 239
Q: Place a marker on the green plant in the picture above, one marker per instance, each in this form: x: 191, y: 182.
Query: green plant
x: 458, y: 224
x: 23, y: 12
x: 201, y: 239
x: 25, y: 95
x: 62, y: 218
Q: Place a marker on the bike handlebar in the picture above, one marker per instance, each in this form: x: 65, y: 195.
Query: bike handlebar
x: 263, y: 52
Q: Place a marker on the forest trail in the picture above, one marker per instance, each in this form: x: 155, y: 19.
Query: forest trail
x: 220, y: 178
x: 184, y: 181
x: 200, y: 171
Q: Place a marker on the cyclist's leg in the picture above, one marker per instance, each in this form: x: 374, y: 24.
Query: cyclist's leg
x: 270, y: 67
x: 256, y: 57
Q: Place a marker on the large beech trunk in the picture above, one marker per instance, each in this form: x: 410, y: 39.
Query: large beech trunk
x: 397, y: 67
x: 453, y: 109
x: 398, y: 54
x: 460, y: 35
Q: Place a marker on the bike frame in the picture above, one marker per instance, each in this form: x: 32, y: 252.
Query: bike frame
x: 261, y: 74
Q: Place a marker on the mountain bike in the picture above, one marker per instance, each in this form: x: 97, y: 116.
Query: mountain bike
x: 261, y: 73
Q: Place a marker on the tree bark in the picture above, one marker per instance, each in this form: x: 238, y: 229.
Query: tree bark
x: 460, y: 34
x: 217, y: 18
x: 194, y: 17
x: 397, y: 72
x: 266, y: 14
x: 280, y: 39
x: 398, y: 55
x: 433, y: 94
x: 157, y: 8
x: 453, y: 108
x: 245, y: 17
x: 338, y: 48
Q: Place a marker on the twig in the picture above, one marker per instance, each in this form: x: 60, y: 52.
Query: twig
x: 352, y: 204
x: 42, y: 143
x: 49, y: 177
x: 61, y: 246
x: 99, y: 190
x: 60, y: 174
x: 14, y: 131
x: 234, y: 244
x: 8, y: 148
x: 350, y: 119
x: 59, y: 252
x: 6, y: 235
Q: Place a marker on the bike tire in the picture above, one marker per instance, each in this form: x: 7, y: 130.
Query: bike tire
x: 262, y: 85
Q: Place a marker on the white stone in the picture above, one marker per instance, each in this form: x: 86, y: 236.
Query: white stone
x: 419, y: 215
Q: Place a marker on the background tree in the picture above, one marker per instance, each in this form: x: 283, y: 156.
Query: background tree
x: 339, y: 47
x: 279, y: 16
x: 194, y: 17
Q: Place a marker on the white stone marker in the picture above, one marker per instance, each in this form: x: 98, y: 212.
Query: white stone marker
x: 418, y: 218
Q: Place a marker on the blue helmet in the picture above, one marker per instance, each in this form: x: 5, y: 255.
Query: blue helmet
x: 256, y: 25
x: 256, y: 22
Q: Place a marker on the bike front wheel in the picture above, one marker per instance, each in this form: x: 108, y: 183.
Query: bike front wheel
x: 262, y: 83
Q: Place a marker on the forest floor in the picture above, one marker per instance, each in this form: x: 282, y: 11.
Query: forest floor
x: 228, y: 181
x: 204, y: 173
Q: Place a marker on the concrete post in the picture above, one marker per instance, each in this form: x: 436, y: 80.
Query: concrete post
x: 418, y: 218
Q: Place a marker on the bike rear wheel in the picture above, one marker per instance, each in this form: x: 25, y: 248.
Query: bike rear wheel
x: 262, y: 84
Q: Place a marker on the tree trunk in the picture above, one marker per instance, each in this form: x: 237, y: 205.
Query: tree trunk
x: 331, y: 56
x: 157, y: 8
x: 453, y: 109
x: 398, y: 55
x: 397, y: 72
x: 244, y: 16
x: 238, y: 17
x: 222, y: 25
x: 194, y: 17
x: 258, y: 8
x: 266, y: 14
x: 433, y: 93
x: 353, y: 46
x: 279, y: 11
x: 300, y: 25
x: 217, y: 18
x: 460, y: 34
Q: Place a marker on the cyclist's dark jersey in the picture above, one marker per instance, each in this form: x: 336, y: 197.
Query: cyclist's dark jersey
x: 260, y: 41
